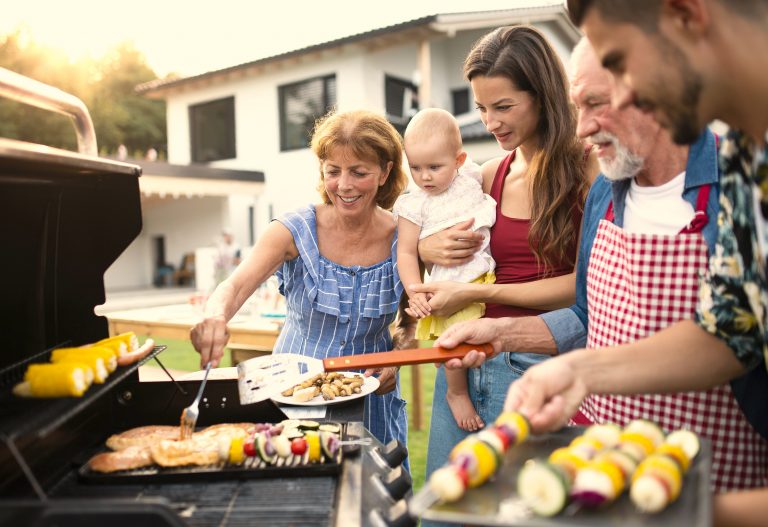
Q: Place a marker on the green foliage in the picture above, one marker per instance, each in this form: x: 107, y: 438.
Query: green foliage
x: 107, y: 86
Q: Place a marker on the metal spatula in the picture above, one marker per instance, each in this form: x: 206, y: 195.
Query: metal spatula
x: 261, y: 378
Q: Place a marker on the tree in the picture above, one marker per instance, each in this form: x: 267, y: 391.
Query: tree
x: 121, y: 115
x: 106, y: 86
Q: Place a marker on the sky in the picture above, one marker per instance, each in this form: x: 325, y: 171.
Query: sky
x: 188, y: 37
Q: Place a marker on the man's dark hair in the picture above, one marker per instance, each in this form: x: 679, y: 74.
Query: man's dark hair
x: 644, y: 14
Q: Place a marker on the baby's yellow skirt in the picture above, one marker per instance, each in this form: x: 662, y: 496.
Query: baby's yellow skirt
x: 432, y: 326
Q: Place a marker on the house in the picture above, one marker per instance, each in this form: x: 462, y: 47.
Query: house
x: 255, y: 116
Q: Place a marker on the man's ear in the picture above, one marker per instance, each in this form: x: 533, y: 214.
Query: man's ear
x: 689, y: 16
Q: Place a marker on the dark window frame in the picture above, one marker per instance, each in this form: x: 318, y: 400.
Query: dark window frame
x: 461, y: 97
x: 400, y: 116
x: 328, y: 96
x: 225, y: 144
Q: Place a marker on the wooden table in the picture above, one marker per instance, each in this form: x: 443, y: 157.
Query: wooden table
x: 249, y: 336
x: 175, y: 321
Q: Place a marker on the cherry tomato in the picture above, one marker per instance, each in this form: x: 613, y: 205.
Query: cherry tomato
x: 298, y: 446
x: 249, y: 448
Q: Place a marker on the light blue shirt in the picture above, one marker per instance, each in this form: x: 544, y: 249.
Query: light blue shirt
x: 334, y: 310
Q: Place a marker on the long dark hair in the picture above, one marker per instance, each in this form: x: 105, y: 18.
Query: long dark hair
x: 558, y: 180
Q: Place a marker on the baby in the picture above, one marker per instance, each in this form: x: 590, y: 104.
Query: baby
x: 449, y: 191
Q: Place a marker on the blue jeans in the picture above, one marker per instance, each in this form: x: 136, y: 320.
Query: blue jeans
x: 488, y: 387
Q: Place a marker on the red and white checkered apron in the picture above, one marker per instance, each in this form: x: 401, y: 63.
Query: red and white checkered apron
x: 638, y: 284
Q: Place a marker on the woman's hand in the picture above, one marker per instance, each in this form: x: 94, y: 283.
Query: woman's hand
x: 445, y: 298
x: 452, y: 246
x: 209, y: 338
x: 387, y: 378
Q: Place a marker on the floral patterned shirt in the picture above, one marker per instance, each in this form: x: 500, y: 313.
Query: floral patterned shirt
x: 733, y: 297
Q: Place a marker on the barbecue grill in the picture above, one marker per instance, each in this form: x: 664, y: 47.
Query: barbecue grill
x: 66, y: 217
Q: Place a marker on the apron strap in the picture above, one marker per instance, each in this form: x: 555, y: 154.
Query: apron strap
x: 609, y: 213
x: 700, y: 218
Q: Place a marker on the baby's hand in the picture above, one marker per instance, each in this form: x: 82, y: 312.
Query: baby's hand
x: 418, y: 304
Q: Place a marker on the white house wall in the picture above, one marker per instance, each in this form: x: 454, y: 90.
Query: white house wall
x: 291, y: 177
x: 132, y: 269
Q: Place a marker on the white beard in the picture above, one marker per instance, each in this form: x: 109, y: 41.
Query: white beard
x: 623, y: 165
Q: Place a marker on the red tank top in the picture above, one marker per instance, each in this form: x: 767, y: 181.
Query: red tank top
x: 515, y: 261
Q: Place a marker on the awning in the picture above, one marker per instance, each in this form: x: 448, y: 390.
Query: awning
x: 171, y: 180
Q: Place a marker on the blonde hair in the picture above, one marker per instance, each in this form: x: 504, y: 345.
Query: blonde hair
x: 434, y: 122
x: 371, y: 137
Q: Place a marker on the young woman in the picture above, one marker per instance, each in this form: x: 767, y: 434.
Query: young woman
x: 521, y: 92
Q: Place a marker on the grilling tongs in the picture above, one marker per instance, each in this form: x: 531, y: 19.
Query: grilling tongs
x: 262, y: 377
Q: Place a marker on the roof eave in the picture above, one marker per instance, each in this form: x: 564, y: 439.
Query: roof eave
x: 448, y: 24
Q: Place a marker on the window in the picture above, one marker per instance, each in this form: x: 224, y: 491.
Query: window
x: 301, y: 103
x: 401, y: 100
x: 460, y: 98
x: 212, y: 127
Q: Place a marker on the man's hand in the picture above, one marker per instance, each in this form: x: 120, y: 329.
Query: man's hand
x: 482, y: 331
x: 452, y: 246
x: 387, y: 379
x: 549, y: 394
x: 209, y: 338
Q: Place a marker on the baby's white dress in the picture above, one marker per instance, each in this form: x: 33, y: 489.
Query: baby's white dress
x: 464, y: 199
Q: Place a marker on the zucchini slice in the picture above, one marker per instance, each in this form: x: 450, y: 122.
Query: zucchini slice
x: 543, y: 487
x: 265, y: 449
x: 330, y: 427
x: 306, y: 424
x: 329, y: 443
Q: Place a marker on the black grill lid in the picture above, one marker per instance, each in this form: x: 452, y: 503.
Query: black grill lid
x: 65, y: 218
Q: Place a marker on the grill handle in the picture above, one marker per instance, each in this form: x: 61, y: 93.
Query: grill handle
x: 34, y: 93
x: 402, y: 357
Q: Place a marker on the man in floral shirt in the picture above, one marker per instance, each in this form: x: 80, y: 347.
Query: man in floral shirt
x: 734, y: 296
x: 689, y: 62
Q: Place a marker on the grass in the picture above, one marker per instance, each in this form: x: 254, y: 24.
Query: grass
x: 181, y: 356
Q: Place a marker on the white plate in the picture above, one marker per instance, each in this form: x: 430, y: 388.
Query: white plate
x: 370, y: 385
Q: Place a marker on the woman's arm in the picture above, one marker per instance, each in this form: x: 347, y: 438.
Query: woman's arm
x: 450, y: 247
x: 210, y: 335
x: 545, y: 294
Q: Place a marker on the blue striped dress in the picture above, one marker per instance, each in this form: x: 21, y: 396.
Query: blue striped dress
x: 333, y: 310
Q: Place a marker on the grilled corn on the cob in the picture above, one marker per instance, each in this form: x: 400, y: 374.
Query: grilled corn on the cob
x: 94, y: 357
x: 66, y: 379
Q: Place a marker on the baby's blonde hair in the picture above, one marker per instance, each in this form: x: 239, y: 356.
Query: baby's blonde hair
x: 434, y: 122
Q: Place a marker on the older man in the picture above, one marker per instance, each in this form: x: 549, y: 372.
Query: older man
x: 650, y: 223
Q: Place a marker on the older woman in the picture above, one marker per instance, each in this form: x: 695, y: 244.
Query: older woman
x: 335, y: 262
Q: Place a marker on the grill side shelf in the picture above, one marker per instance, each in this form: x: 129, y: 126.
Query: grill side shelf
x: 39, y: 417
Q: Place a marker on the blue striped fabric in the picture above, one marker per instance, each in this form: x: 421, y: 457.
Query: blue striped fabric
x: 333, y: 310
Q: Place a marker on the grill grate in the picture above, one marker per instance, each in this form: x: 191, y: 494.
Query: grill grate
x: 39, y: 417
x: 304, y: 502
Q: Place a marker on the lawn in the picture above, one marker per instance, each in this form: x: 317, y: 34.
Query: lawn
x: 181, y: 356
